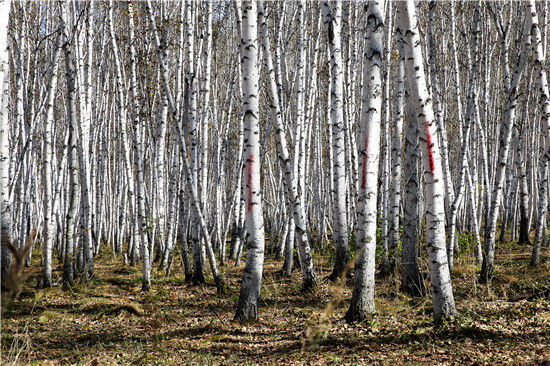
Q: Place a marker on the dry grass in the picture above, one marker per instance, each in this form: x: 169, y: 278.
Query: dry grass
x: 111, y: 321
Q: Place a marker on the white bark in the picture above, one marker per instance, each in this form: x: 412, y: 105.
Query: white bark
x: 5, y: 212
x: 295, y: 204
x: 139, y: 155
x: 47, y: 176
x: 72, y: 122
x: 542, y: 84
x: 442, y: 292
x: 247, y: 307
x: 333, y: 19
x: 362, y: 300
x: 511, y: 82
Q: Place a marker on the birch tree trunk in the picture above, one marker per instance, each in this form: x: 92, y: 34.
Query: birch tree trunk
x: 47, y: 177
x: 449, y: 189
x: 511, y: 84
x: 72, y: 122
x: 524, y: 226
x: 542, y: 83
x: 139, y: 156
x: 247, y: 308
x: 237, y: 232
x: 395, y: 178
x: 362, y: 299
x: 333, y: 19
x: 442, y: 291
x: 83, y: 149
x: 5, y: 212
x: 412, y: 281
x: 308, y: 273
x: 191, y: 115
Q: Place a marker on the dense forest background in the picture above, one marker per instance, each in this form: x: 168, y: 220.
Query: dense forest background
x: 274, y: 182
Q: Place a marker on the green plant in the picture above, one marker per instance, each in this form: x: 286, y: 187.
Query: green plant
x: 466, y: 244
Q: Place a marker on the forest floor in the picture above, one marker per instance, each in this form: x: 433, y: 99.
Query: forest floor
x: 111, y: 321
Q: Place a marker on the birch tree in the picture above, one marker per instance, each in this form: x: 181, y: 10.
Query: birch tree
x: 72, y: 122
x: 139, y: 155
x: 535, y: 41
x: 308, y: 272
x: 442, y: 292
x: 47, y: 178
x: 412, y: 281
x: 333, y: 19
x: 511, y: 81
x: 5, y: 214
x: 247, y: 308
x: 362, y: 300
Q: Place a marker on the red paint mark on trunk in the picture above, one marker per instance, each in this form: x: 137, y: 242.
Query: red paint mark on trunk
x: 430, y: 151
x: 250, y: 162
x: 365, y: 160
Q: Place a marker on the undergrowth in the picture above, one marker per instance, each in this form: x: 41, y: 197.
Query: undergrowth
x: 109, y: 320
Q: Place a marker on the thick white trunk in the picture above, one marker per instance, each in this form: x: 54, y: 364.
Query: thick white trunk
x: 442, y: 291
x: 362, y: 300
x: 247, y: 307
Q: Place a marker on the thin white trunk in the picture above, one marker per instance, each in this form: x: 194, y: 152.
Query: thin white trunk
x: 139, y: 155
x: 184, y: 151
x: 511, y: 82
x: 308, y: 272
x: 333, y: 19
x: 72, y: 122
x: 5, y: 212
x: 47, y: 177
x: 542, y: 84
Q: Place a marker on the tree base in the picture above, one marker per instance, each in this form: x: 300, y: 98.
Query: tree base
x: 335, y: 276
x: 384, y: 270
x: 353, y: 315
x: 309, y: 285
x: 413, y: 288
x: 246, y: 313
x: 221, y: 287
x: 198, y: 278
